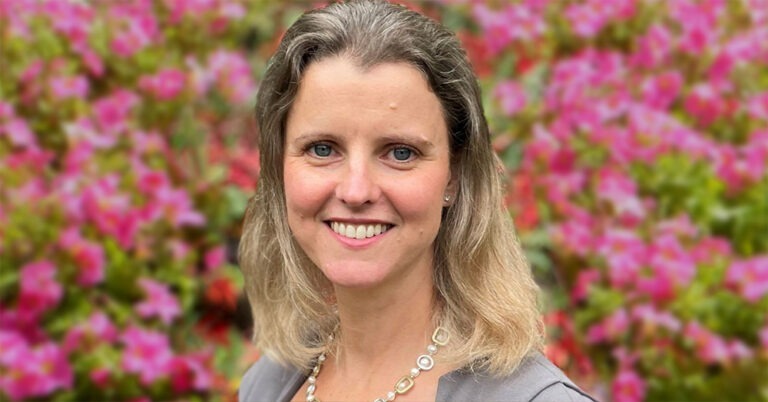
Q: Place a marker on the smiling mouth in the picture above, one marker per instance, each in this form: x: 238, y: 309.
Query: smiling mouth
x: 358, y: 232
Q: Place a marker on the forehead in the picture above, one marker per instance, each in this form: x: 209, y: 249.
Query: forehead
x: 386, y: 96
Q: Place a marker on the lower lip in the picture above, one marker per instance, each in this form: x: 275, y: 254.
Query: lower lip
x: 357, y: 243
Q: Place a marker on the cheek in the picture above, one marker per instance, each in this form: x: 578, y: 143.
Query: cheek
x: 305, y: 194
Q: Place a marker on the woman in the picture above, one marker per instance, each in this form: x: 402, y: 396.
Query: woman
x: 379, y: 262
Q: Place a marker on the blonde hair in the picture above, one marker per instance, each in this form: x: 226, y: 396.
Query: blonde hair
x: 488, y: 298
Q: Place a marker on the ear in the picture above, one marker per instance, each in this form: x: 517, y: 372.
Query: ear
x: 449, y: 196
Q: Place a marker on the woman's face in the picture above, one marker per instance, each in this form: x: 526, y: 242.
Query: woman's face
x: 367, y: 164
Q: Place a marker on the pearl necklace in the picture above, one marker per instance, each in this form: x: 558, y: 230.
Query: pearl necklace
x: 424, y: 362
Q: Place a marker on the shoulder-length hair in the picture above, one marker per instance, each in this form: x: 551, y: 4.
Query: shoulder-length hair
x: 482, y: 281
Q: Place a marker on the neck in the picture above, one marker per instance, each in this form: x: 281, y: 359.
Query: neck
x: 382, y: 326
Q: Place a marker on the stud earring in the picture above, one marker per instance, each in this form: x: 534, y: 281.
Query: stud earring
x: 447, y: 198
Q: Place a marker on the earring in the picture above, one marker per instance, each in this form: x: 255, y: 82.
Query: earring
x: 447, y: 198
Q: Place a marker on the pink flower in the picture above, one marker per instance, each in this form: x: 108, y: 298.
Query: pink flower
x: 18, y: 132
x: 39, y: 289
x: 764, y: 337
x: 610, y: 329
x: 84, y: 131
x: 159, y: 302
x: 147, y: 353
x: 628, y: 387
x: 652, y: 318
x: 705, y: 104
x: 233, y: 75
x: 709, y: 249
x: 69, y: 87
x: 586, y: 19
x: 576, y: 235
x: 100, y: 377
x: 620, y: 192
x: 138, y: 28
x: 96, y: 329
x: 215, y: 258
x: 176, y: 206
x: 111, y: 210
x: 749, y: 277
x: 670, y: 260
x: 654, y: 48
x: 37, y: 372
x: 660, y: 91
x: 512, y: 97
x: 625, y: 253
x: 112, y: 112
x: 151, y: 181
x: 189, y: 373
x: 186, y: 8
x: 710, y: 347
x: 166, y: 84
x: 584, y: 280
x: 89, y: 256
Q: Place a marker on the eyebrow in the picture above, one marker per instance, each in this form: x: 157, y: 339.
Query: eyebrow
x: 416, y: 140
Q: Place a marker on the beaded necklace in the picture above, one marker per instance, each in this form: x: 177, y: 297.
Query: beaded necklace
x: 424, y: 362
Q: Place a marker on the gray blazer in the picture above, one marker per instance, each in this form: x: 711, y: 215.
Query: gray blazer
x: 535, y: 380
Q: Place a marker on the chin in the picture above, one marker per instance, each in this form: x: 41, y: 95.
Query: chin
x: 354, y: 275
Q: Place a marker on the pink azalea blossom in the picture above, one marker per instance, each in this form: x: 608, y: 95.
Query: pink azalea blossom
x: 159, y: 302
x: 189, y: 373
x: 710, y: 249
x: 39, y: 289
x: 69, y: 87
x: 611, y: 328
x: 96, y: 329
x: 111, y: 210
x: 584, y: 280
x: 710, y: 347
x: 37, y: 372
x: 176, y: 206
x: 215, y: 258
x: 669, y: 259
x: 83, y: 130
x: 653, y: 48
x: 71, y: 19
x: 100, y: 377
x: 620, y: 192
x: 111, y: 113
x: 749, y: 277
x: 705, y: 104
x: 147, y: 353
x: 625, y: 253
x: 18, y: 132
x: 137, y: 28
x: 648, y: 315
x: 764, y: 337
x: 166, y: 84
x: 88, y: 256
x: 628, y: 386
x: 512, y: 97
x: 188, y: 8
x: 234, y: 78
x: 661, y: 90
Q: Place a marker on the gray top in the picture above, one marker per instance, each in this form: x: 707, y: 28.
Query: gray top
x: 535, y: 380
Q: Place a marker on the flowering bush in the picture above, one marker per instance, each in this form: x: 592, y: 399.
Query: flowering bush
x: 123, y: 178
x: 637, y: 133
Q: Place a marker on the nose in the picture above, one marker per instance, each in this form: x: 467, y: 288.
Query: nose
x: 358, y: 185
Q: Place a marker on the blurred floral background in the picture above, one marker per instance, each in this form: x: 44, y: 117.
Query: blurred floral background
x: 635, y: 133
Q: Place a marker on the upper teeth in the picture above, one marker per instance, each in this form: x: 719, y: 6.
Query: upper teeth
x: 358, y: 231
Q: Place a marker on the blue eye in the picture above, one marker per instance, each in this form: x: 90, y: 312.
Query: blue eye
x: 321, y: 150
x: 402, y: 154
